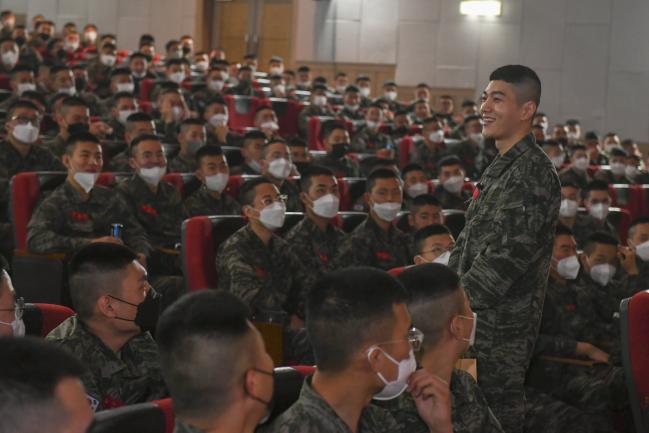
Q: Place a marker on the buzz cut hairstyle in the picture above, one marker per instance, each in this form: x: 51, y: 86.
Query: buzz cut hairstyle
x: 249, y: 190
x: 596, y: 185
x: 81, y: 137
x: 208, y: 150
x: 413, y: 166
x: 562, y: 230
x: 448, y: 161
x: 139, y: 139
x: 330, y: 126
x: 423, y: 200
x: 379, y: 173
x: 311, y: 172
x: 635, y: 223
x: 526, y: 82
x: 20, y: 103
x: 425, y: 232
x: 601, y: 237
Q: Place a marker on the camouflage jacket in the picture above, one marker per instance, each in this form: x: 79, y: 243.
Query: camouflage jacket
x: 312, y: 414
x: 56, y: 145
x: 161, y: 213
x: 119, y: 163
x: 63, y: 222
x: 269, y: 278
x: 452, y: 201
x: 343, y: 167
x: 292, y: 193
x: 470, y: 412
x: 586, y: 225
x: 369, y: 245
x: 201, y: 202
x: 183, y: 427
x: 39, y: 158
x: 182, y: 164
x: 113, y: 379
x: 428, y: 156
x: 579, y: 178
x: 599, y: 306
x: 503, y: 254
x: 315, y: 248
x: 368, y: 141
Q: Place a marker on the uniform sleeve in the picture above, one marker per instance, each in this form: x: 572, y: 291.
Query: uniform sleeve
x: 456, y: 254
x: 302, y: 284
x: 238, y: 276
x: 353, y: 252
x: 515, y: 244
x: 44, y: 231
x: 555, y: 345
x: 134, y: 235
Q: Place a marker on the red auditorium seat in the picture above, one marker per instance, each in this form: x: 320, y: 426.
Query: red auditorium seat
x: 146, y: 87
x: 145, y: 106
x: 241, y: 111
x: 140, y: 418
x: 313, y: 132
x: 351, y: 189
x: 634, y: 323
x: 287, y: 111
x: 396, y: 271
x: 4, y: 82
x: 185, y: 183
x: 41, y: 319
x: 168, y: 409
x: 288, y: 383
x: 405, y: 147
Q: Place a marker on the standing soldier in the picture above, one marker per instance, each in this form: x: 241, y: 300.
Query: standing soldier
x: 503, y: 254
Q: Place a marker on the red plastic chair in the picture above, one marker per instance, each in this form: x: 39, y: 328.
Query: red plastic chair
x: 145, y: 106
x: 41, y: 319
x: 634, y: 322
x: 405, y: 147
x: 146, y: 87
x: 4, y: 82
x: 170, y: 418
x: 394, y: 272
x: 287, y: 111
x: 241, y: 111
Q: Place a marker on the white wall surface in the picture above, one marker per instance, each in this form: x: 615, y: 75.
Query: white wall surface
x: 592, y: 55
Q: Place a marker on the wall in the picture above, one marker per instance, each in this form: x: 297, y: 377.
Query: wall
x: 592, y: 55
x: 128, y: 19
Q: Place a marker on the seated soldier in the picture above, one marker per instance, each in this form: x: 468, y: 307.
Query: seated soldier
x: 617, y: 172
x: 136, y: 124
x: 638, y: 240
x: 597, y: 202
x: 376, y: 241
x: 470, y: 148
x: 352, y: 104
x: 420, y: 111
x: 577, y: 172
x: 431, y: 148
x: 300, y: 154
x: 191, y: 138
x: 61, y: 80
x: 121, y: 106
x: 401, y: 125
x: 260, y: 267
x: 570, y: 198
x: 361, y: 332
x: 80, y: 212
x: 369, y: 139
x: 415, y: 183
x: 11, y: 307
x: 595, y: 154
x: 214, y: 173
x: 424, y: 211
x: 441, y: 310
x: 244, y: 85
x: 318, y: 107
x: 276, y: 166
x: 432, y: 244
x: 198, y: 332
x: 22, y: 80
x: 450, y: 192
x: 121, y: 81
x: 171, y: 110
x: 214, y: 87
x: 40, y: 386
x: 315, y: 240
x: 266, y: 121
x: 157, y: 205
x: 116, y: 308
x: 215, y: 115
x: 251, y: 151
x: 555, y: 152
x: 335, y: 138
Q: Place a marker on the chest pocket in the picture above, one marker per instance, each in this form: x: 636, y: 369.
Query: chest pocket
x: 513, y: 217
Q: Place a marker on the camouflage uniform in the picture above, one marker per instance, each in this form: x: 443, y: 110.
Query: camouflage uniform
x: 56, y: 145
x: 113, y: 379
x: 544, y: 414
x: 351, y: 115
x: 119, y: 163
x: 470, y: 412
x: 182, y: 164
x: 452, y: 201
x: 608, y: 177
x: 342, y: 167
x: 292, y: 193
x: 63, y: 222
x: 312, y: 414
x: 369, y: 245
x: 468, y: 152
x: 314, y: 247
x: 269, y: 278
x: 503, y: 256
x: 599, y: 306
x: 201, y: 202
x: 579, y: 178
x: 367, y: 141
x: 586, y: 225
x: 428, y: 157
x: 308, y: 112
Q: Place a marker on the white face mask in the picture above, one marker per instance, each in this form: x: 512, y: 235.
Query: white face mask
x: 372, y: 125
x: 17, y: 327
x: 326, y: 206
x: 276, y: 70
x: 122, y: 115
x: 10, y: 58
x: 125, y: 87
x: 391, y: 96
x: 280, y: 168
x: 352, y: 108
x: 254, y: 165
x: 270, y: 125
x: 476, y: 137
x: 139, y: 74
x: 631, y: 171
x: 572, y: 136
x: 610, y: 147
x: 386, y: 211
x: 26, y: 133
x: 25, y: 87
x: 395, y: 388
x: 417, y: 189
x: 602, y: 274
x: 280, y: 88
x: 599, y: 211
x: 581, y: 164
x: 320, y: 100
x: 202, y: 66
x: 642, y: 251
x: 152, y: 175
x: 218, y: 120
x: 107, y: 59
x: 341, y: 89
x: 216, y: 85
x: 68, y: 90
x: 365, y: 92
x: 177, y: 77
x: 454, y: 184
x: 568, y: 208
x: 177, y: 113
x: 436, y: 136
x: 272, y: 216
x: 86, y: 180
x: 443, y: 258
x: 217, y: 182
x: 568, y: 268
x: 471, y: 339
x: 557, y: 161
x: 618, y: 168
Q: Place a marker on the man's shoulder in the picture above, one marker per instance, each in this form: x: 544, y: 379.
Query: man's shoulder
x: 73, y: 336
x: 239, y: 240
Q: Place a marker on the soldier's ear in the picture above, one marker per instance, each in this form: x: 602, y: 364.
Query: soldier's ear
x: 366, y: 196
x: 199, y: 175
x: 304, y: 198
x: 418, y: 260
x: 104, y: 306
x: 65, y: 159
x: 131, y: 163
x: 411, y: 220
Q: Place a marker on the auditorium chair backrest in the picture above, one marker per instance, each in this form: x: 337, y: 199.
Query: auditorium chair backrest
x: 405, y: 147
x: 185, y: 183
x: 348, y: 221
x: 620, y: 218
x: 136, y: 418
x: 351, y: 190
x: 634, y: 324
x: 287, y: 111
x: 454, y: 220
x: 288, y: 383
x: 241, y: 111
x: 146, y: 87
x: 166, y: 405
x: 313, y: 132
x: 41, y: 319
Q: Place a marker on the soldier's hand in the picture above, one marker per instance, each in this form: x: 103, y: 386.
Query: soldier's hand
x: 592, y: 352
x: 432, y: 397
x: 108, y: 240
x: 221, y: 133
x: 626, y: 255
x: 100, y: 129
x: 295, y: 322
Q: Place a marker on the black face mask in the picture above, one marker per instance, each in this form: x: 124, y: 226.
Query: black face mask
x: 60, y: 53
x: 20, y: 41
x: 338, y: 150
x: 80, y: 84
x: 270, y: 404
x: 147, y: 312
x: 78, y: 128
x: 186, y: 50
